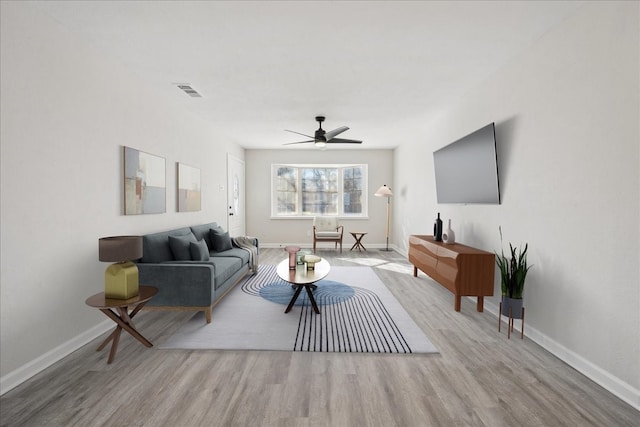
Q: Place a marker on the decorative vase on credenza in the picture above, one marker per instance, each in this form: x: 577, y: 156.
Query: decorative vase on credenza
x: 437, y: 229
x: 448, y: 236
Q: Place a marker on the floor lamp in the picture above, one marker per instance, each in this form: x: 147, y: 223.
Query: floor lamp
x: 385, y: 191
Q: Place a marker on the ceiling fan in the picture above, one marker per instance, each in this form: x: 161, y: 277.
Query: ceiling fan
x: 322, y: 137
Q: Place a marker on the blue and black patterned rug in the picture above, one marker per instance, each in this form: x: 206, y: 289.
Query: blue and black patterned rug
x: 358, y: 314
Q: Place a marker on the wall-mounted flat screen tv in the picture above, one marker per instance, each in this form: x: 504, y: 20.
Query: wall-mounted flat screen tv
x: 467, y: 169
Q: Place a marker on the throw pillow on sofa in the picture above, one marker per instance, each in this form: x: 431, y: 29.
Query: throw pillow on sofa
x: 199, y: 251
x: 220, y: 239
x: 180, y: 246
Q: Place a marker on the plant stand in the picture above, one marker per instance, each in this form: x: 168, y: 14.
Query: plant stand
x: 510, y: 322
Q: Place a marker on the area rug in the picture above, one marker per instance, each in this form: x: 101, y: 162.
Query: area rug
x: 358, y: 314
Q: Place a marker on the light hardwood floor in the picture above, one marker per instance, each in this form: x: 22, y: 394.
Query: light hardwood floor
x: 479, y: 378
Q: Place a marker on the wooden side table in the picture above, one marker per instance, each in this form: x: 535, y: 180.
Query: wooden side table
x: 118, y: 311
x: 358, y: 244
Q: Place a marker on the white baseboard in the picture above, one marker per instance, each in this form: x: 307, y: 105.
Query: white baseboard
x: 614, y: 385
x: 22, y: 374
x: 345, y: 246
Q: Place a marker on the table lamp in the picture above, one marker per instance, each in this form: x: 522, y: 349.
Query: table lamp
x: 121, y: 278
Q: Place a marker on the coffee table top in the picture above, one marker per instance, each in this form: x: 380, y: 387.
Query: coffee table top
x: 302, y: 276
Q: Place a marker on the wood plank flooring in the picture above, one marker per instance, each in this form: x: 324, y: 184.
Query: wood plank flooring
x: 479, y: 378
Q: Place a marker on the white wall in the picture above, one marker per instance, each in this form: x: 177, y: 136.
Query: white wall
x: 66, y: 111
x: 567, y: 122
x: 274, y: 232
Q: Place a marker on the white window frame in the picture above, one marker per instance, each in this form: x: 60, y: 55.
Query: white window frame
x: 340, y: 166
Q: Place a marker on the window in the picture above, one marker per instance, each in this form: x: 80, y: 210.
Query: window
x: 309, y: 190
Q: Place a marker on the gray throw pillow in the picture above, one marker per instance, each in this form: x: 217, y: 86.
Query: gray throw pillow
x: 199, y: 251
x: 220, y: 240
x: 180, y: 246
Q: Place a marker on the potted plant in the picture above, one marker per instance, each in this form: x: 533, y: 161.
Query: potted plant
x: 513, y: 272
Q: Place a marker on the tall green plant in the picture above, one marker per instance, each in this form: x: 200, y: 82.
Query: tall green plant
x: 513, y: 270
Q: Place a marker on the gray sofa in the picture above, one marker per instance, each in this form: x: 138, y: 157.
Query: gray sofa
x: 188, y: 274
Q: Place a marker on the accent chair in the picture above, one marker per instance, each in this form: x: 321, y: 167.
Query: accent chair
x: 327, y: 229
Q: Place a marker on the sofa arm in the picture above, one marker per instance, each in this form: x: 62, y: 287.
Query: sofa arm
x: 179, y: 284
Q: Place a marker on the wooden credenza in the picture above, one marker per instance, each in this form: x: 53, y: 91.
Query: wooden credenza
x: 464, y: 270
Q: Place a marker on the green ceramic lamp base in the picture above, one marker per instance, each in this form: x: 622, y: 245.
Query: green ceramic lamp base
x: 121, y: 280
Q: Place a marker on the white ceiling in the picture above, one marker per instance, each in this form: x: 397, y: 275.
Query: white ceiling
x: 383, y: 68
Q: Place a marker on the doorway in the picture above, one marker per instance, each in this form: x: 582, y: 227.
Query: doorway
x: 235, y: 196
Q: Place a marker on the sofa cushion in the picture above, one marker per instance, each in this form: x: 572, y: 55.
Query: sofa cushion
x: 220, y: 240
x: 327, y: 234
x: 225, y: 268
x: 180, y: 246
x: 199, y: 251
x: 155, y: 246
x: 202, y: 232
x: 241, y: 254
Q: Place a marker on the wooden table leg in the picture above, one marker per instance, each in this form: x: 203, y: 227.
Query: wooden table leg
x: 358, y: 244
x: 294, y: 298
x: 480, y: 304
x: 123, y: 321
x: 312, y: 299
x: 309, y: 288
x: 127, y: 327
x: 114, y: 345
x: 106, y: 341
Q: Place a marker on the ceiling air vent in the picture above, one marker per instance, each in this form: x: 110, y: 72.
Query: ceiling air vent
x: 189, y: 90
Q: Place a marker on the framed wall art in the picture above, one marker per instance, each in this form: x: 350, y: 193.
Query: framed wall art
x: 189, y: 194
x: 145, y: 190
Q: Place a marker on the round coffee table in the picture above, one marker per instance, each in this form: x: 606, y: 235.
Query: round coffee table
x: 302, y: 278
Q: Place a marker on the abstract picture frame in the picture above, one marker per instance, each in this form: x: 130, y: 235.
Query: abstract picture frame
x: 189, y: 188
x: 145, y: 189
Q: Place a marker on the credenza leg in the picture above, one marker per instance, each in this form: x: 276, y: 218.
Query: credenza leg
x: 457, y: 303
x: 415, y: 271
x: 480, y: 304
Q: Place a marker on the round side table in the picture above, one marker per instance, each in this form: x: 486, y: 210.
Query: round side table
x: 118, y: 311
x: 358, y: 244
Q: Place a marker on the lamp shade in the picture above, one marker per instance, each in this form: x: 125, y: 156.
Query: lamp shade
x: 119, y: 248
x: 383, y: 191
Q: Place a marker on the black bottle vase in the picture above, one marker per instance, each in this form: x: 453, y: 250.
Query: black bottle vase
x: 437, y: 229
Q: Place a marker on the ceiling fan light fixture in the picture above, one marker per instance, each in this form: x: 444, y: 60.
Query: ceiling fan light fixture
x: 321, y: 137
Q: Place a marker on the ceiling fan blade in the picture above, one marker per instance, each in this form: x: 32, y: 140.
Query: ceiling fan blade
x: 333, y: 133
x: 343, y: 141
x: 299, y: 142
x: 293, y: 131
